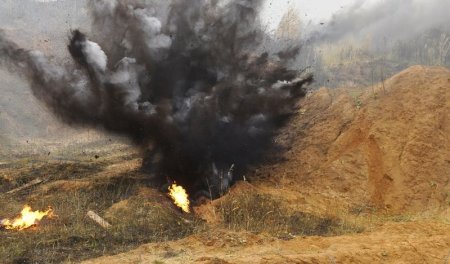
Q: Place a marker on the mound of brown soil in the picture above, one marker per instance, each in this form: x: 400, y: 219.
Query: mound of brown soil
x: 386, y: 146
x: 352, y: 153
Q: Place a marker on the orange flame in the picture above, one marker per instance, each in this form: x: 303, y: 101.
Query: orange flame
x: 179, y: 197
x: 26, y: 220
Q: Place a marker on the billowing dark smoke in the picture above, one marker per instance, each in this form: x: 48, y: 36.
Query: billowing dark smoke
x: 187, y: 80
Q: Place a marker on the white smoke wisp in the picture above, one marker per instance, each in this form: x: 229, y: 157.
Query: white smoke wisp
x: 393, y: 20
x: 95, y: 55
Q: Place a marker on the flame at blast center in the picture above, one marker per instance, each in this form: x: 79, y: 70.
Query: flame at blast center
x: 179, y: 197
x: 27, y: 219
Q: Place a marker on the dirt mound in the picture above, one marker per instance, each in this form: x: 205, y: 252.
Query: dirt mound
x: 386, y: 146
x: 373, y: 161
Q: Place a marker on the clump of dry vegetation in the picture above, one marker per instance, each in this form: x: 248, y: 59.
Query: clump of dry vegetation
x: 72, y: 186
x: 262, y: 213
x: 71, y: 236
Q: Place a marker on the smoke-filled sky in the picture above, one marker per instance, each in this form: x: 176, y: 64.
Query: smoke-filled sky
x: 309, y: 10
x: 316, y: 10
x: 189, y: 75
x: 188, y: 81
x: 393, y: 19
x: 388, y: 18
x: 341, y: 17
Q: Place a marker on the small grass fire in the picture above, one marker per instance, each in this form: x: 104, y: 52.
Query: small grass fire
x: 179, y: 197
x: 27, y: 219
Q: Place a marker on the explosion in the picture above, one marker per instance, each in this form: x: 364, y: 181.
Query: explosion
x: 198, y: 85
x: 27, y: 219
x: 179, y: 197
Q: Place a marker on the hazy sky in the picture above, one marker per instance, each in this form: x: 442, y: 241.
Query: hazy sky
x: 351, y: 17
x: 310, y: 10
x: 314, y: 10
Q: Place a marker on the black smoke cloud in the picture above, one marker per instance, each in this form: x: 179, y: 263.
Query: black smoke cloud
x: 187, y: 80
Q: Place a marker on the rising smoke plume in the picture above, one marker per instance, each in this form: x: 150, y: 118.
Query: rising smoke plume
x: 393, y: 20
x: 367, y: 41
x: 187, y: 80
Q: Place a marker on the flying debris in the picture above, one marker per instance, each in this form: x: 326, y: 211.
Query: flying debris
x: 189, y: 81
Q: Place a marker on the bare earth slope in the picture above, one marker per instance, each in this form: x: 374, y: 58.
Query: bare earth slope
x: 387, y: 147
x: 382, y: 152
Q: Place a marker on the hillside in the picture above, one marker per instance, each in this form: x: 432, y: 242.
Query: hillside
x: 386, y: 147
x: 377, y: 158
x: 363, y: 178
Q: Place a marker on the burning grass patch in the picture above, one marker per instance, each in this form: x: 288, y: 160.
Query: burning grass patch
x: 264, y: 214
x: 144, y: 221
x: 72, y: 186
x: 71, y: 236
